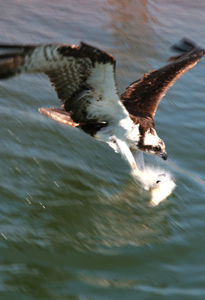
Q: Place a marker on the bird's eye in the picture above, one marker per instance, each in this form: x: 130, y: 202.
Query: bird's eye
x: 155, y: 148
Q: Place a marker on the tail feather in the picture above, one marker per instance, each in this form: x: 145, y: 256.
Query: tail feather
x: 58, y: 115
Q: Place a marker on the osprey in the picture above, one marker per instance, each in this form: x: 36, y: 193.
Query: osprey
x: 85, y: 81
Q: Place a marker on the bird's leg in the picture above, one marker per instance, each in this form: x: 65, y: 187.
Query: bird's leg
x: 122, y: 147
x: 139, y: 159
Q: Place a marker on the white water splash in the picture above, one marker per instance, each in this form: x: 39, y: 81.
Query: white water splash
x: 159, y: 182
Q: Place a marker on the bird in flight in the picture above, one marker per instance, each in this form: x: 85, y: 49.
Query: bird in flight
x: 85, y: 81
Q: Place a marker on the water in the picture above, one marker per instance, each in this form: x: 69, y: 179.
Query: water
x: 74, y: 224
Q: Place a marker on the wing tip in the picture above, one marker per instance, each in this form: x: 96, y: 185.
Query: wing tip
x: 185, y: 46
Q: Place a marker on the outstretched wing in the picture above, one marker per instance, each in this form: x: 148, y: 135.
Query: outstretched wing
x: 83, y: 76
x: 142, y: 97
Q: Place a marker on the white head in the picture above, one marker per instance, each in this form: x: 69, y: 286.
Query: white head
x: 152, y: 144
x: 147, y: 141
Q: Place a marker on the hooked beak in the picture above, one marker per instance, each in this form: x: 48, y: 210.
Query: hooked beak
x: 163, y: 155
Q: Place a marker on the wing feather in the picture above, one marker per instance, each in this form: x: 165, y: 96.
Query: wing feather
x: 58, y: 115
x: 83, y: 76
x: 142, y: 97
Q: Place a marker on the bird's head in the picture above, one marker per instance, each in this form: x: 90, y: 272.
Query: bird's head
x: 150, y: 143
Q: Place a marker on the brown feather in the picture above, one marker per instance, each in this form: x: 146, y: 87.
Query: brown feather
x: 142, y: 97
x: 58, y: 115
x: 87, y: 51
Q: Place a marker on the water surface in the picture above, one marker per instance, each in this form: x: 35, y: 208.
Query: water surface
x: 74, y: 224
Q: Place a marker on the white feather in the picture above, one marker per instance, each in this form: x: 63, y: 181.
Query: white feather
x: 150, y: 139
x: 105, y: 103
x: 134, y: 136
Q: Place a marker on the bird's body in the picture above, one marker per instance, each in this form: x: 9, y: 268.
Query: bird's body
x: 84, y: 79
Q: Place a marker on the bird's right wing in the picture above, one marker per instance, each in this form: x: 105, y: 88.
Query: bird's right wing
x: 83, y: 76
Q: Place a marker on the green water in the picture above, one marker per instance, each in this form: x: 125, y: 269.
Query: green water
x: 73, y: 223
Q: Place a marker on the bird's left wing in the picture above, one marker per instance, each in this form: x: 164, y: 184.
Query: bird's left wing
x: 142, y: 97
